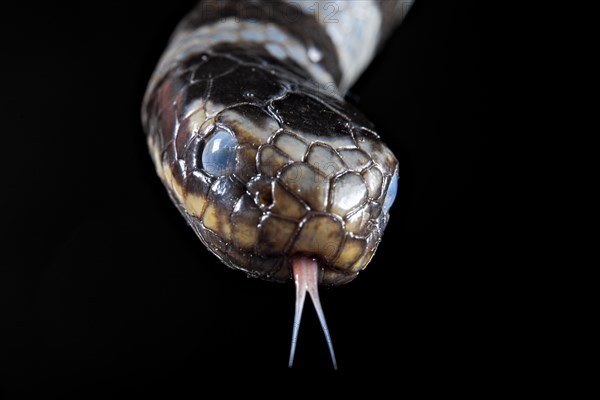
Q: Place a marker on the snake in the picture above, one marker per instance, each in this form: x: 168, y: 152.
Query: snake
x: 249, y: 131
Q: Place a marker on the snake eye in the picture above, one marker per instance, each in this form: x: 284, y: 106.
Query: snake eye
x: 219, y: 153
x: 390, y: 196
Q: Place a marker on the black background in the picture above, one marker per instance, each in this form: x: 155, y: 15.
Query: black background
x: 104, y: 287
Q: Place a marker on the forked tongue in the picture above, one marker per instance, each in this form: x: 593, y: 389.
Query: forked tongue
x: 306, y: 278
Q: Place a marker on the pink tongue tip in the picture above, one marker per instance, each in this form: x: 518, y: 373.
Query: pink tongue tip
x: 306, y: 278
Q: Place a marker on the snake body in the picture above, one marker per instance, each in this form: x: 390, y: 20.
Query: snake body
x: 250, y: 134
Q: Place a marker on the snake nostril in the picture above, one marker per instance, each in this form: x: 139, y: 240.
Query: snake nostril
x: 262, y: 190
x: 219, y: 153
x: 266, y: 197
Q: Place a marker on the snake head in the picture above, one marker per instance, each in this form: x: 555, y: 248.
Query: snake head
x: 276, y: 171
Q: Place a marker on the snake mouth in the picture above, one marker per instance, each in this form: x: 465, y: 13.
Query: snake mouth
x: 328, y: 274
x: 280, y: 268
x: 322, y: 237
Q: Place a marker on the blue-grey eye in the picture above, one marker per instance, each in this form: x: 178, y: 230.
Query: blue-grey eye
x: 219, y: 154
x: 390, y: 196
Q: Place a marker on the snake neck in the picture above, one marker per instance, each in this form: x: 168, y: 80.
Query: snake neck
x: 333, y: 41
